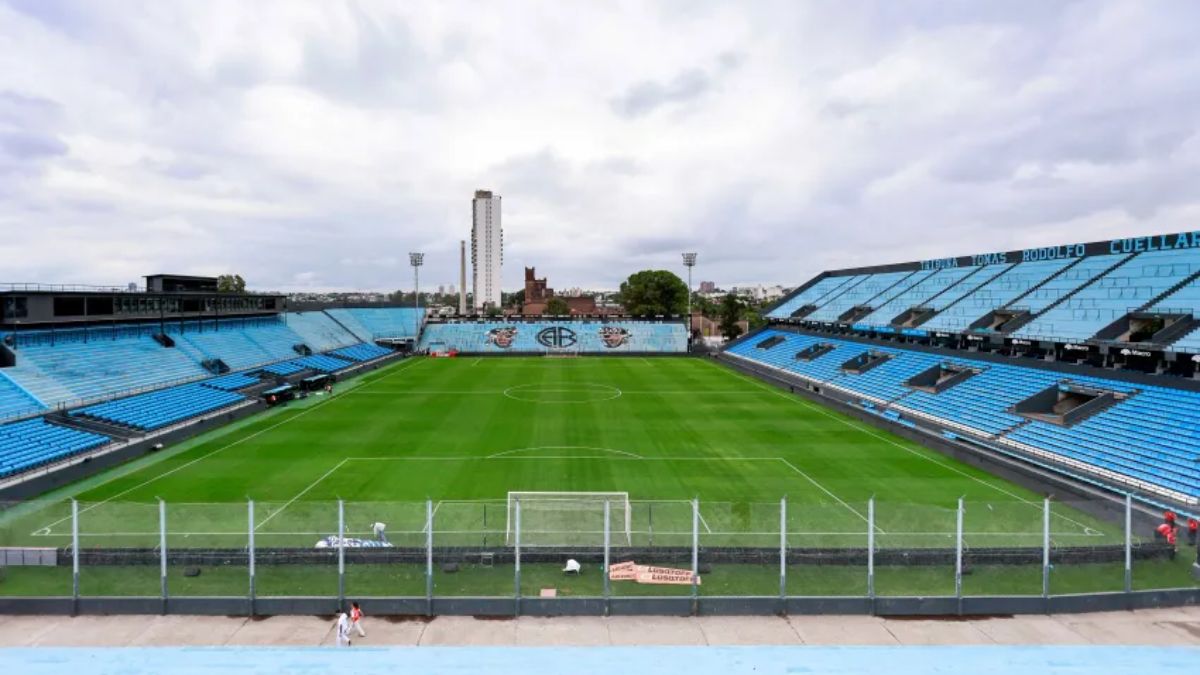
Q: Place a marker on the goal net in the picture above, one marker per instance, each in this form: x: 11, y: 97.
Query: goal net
x: 568, y: 518
x: 563, y: 353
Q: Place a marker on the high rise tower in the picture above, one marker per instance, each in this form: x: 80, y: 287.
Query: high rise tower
x: 487, y: 250
x: 462, y: 278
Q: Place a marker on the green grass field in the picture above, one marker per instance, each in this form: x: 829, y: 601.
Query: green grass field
x: 465, y: 432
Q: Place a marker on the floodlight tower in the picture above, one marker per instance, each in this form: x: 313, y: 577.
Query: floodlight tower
x: 689, y: 261
x: 416, y: 260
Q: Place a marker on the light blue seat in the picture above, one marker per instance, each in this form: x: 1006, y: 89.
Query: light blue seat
x: 33, y: 443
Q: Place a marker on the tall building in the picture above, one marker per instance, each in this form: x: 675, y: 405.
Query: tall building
x: 487, y: 250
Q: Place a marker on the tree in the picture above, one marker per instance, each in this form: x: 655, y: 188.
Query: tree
x: 654, y: 292
x: 231, y: 283
x: 557, y: 307
x: 516, y: 299
x: 492, y: 311
x: 731, y: 312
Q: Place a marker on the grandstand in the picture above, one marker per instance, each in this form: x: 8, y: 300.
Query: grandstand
x: 1075, y: 302
x: 545, y: 336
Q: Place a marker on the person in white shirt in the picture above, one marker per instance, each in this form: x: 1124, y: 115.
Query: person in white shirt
x: 380, y: 531
x: 343, y: 630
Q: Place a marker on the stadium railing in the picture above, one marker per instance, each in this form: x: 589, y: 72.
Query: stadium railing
x: 1017, y: 553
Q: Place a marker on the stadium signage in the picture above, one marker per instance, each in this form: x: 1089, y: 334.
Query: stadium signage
x: 1162, y: 242
x: 1135, y: 352
x: 1021, y: 342
x: 1077, y: 348
x: 1053, y: 252
x: 557, y: 337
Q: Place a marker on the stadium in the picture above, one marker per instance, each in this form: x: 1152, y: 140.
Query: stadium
x: 995, y: 433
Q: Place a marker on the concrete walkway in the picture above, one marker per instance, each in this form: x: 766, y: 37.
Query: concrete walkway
x: 1179, y: 627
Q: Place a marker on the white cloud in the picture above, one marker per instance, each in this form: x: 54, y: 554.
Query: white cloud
x: 312, y: 144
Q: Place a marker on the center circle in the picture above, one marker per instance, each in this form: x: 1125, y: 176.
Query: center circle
x: 562, y: 393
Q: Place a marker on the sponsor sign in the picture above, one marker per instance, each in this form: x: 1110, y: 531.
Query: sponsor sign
x: 348, y: 542
x: 1135, y: 352
x: 650, y: 574
x: 1076, y: 348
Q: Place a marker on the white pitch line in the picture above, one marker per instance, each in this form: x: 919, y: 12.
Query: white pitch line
x: 889, y: 441
x: 836, y: 498
x: 476, y: 362
x: 291, y: 501
x: 498, y: 455
x: 202, y: 457
x: 700, y: 515
x: 432, y: 516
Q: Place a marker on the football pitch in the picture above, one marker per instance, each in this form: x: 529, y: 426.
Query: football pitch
x: 453, y: 437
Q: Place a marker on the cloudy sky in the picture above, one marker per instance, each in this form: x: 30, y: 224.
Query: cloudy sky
x: 312, y: 145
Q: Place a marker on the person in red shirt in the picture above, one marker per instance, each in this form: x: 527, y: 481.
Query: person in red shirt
x: 1164, y: 531
x: 1193, y: 529
x: 356, y: 616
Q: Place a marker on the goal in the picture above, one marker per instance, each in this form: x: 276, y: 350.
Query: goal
x: 568, y: 518
x: 567, y: 353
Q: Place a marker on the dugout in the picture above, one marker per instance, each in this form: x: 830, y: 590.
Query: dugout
x: 316, y: 382
x: 279, y: 395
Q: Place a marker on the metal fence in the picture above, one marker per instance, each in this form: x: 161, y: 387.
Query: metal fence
x: 432, y: 552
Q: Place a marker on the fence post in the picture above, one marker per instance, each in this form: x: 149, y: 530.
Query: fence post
x: 429, y: 557
x: 783, y: 553
x: 341, y: 555
x: 871, y: 548
x: 607, y: 544
x: 74, y: 557
x: 1046, y: 548
x: 517, y: 556
x: 162, y: 550
x: 1128, y: 542
x: 958, y: 552
x: 250, y: 549
x: 695, y: 555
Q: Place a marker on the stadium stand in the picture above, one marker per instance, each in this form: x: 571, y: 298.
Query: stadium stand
x: 158, y: 409
x: 243, y: 346
x: 15, y: 401
x: 32, y: 443
x: 361, y: 352
x: 1146, y: 436
x: 369, y: 324
x: 548, y: 336
x: 232, y: 382
x: 322, y: 363
x: 994, y: 294
x: 813, y: 295
x: 861, y: 294
x: 919, y: 294
x: 102, y: 366
x: 283, y: 369
x: 1128, y: 287
x: 319, y: 331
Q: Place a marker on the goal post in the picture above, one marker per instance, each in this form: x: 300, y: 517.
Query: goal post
x: 568, y: 518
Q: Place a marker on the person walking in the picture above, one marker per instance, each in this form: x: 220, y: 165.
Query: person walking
x: 356, y: 616
x: 343, y: 630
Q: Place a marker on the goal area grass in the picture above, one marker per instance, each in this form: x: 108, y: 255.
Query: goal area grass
x: 456, y: 436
